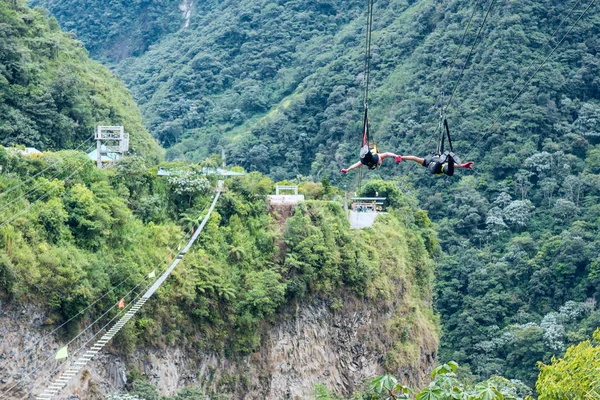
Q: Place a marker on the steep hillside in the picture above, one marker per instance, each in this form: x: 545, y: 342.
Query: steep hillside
x: 259, y: 306
x: 52, y: 95
x: 281, y: 80
x: 118, y: 29
x: 279, y: 85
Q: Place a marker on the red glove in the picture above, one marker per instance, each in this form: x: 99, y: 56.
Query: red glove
x: 399, y: 159
x: 468, y: 165
x: 344, y: 171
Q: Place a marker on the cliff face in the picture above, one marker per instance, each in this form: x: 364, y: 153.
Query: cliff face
x: 357, y: 303
x: 340, y: 349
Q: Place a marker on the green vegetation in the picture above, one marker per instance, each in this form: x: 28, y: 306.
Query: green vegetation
x: 446, y: 386
x: 278, y: 83
x: 240, y: 276
x: 51, y: 95
x: 86, y: 234
x: 100, y: 226
x: 573, y: 377
x: 118, y: 29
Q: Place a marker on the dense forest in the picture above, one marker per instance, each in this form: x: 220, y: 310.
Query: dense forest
x: 278, y: 84
x: 52, y: 96
x: 118, y: 29
x: 100, y: 232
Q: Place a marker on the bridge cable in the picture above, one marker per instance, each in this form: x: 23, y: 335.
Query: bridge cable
x: 67, y: 375
x: 39, y: 185
x: 112, y: 289
x: 83, y: 331
x: 26, y: 209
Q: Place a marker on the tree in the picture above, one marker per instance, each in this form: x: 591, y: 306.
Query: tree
x: 518, y: 212
x: 522, y: 182
x: 495, y: 222
x: 548, y: 186
x: 326, y: 185
x: 565, y: 209
x: 574, y: 376
x: 573, y: 187
x: 446, y: 386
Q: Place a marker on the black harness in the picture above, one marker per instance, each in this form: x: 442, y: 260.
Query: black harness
x: 442, y: 162
x: 369, y: 157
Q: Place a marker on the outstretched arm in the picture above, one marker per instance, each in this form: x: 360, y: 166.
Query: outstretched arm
x: 383, y: 156
x: 413, y: 158
x: 467, y: 165
x: 386, y: 155
x: 353, y: 166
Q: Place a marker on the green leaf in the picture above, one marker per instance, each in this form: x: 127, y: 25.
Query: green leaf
x: 430, y: 394
x: 453, y: 365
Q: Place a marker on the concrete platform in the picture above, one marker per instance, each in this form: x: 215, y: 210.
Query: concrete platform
x: 284, y: 200
x: 360, y: 220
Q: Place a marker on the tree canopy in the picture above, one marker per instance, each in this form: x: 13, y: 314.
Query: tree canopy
x: 52, y: 96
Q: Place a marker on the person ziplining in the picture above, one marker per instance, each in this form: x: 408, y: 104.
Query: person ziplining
x: 369, y: 156
x: 438, y: 163
x: 441, y: 162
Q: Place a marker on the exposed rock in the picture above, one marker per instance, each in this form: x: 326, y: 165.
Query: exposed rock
x: 339, y: 348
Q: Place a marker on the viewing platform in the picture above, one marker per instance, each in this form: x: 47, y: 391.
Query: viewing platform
x: 365, y: 210
x: 285, y: 199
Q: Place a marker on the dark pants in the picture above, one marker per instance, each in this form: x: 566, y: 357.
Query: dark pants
x: 438, y: 165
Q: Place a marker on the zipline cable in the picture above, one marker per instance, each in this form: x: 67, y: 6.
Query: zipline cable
x: 531, y: 66
x: 462, y: 41
x: 367, y: 78
x: 12, y: 189
x: 556, y: 31
x: 452, y: 63
x: 505, y: 110
x: 39, y: 185
x: 368, y: 40
x: 489, y: 9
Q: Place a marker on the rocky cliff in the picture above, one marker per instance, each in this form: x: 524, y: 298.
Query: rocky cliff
x: 336, y: 307
x: 339, y: 348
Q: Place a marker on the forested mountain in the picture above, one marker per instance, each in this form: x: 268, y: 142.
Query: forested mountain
x: 52, y: 95
x: 278, y: 83
x: 118, y: 29
x: 97, y: 235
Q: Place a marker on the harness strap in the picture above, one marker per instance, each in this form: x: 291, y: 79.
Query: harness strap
x: 444, y: 131
x: 366, y: 132
x: 447, y: 128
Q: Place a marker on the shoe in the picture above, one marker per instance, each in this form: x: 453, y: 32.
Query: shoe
x: 399, y: 159
x: 344, y: 171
